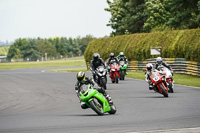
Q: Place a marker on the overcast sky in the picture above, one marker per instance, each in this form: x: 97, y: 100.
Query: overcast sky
x: 53, y: 18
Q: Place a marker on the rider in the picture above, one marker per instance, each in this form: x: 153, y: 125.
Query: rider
x: 148, y: 74
x: 95, y: 63
x: 111, y: 60
x: 159, y: 61
x: 82, y: 79
x: 121, y: 57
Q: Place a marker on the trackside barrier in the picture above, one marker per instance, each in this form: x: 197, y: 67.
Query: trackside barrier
x: 179, y: 65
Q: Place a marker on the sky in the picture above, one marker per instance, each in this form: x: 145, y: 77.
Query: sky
x: 53, y: 18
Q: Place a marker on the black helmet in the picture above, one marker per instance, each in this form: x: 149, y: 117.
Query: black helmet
x: 112, y: 55
x: 96, y: 56
x: 80, y: 76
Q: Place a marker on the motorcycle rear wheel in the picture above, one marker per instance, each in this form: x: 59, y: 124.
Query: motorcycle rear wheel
x: 96, y: 106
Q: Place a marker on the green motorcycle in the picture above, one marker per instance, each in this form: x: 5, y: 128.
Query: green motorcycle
x: 95, y: 100
x: 123, y: 68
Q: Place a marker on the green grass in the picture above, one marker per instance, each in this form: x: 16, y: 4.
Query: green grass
x: 187, y: 80
x: 76, y: 61
x: 4, y: 50
x: 181, y: 79
x: 84, y: 69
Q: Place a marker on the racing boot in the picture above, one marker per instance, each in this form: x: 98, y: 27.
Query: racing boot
x: 126, y: 73
x: 109, y: 99
x: 150, y: 86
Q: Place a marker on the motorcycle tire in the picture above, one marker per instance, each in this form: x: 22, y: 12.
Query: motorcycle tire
x: 165, y: 94
x: 113, y: 109
x: 103, y: 83
x: 96, y: 106
x: 116, y: 78
x: 170, y: 87
x: 122, y: 75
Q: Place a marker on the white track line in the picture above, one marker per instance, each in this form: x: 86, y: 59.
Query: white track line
x: 182, y: 130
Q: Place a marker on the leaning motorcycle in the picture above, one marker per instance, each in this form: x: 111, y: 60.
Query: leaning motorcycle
x: 115, y: 72
x: 169, y: 78
x: 159, y: 83
x: 123, y: 68
x: 101, y: 78
x: 95, y: 100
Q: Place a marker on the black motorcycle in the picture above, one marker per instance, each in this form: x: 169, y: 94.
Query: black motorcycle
x: 100, y: 76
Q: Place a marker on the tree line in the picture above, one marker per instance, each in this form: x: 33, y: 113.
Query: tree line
x: 34, y: 49
x: 136, y: 16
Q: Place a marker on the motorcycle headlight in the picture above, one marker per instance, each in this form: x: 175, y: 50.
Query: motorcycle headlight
x: 100, y: 74
x: 156, y: 78
x: 104, y: 72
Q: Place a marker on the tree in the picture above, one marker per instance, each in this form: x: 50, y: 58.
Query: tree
x: 18, y: 54
x: 185, y: 14
x: 84, y: 42
x: 157, y: 14
x: 127, y: 16
x: 118, y: 12
x: 44, y: 46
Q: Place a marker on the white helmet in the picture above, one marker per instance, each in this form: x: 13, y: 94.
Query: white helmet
x: 159, y: 60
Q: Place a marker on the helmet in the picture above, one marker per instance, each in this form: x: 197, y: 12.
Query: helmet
x: 80, y: 76
x: 96, y: 56
x: 149, y: 67
x: 121, y: 54
x: 112, y: 55
x: 159, y: 60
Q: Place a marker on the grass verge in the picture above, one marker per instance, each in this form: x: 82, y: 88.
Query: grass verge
x: 181, y: 79
x: 76, y: 61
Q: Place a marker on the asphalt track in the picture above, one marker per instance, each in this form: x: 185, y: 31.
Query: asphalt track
x: 34, y: 101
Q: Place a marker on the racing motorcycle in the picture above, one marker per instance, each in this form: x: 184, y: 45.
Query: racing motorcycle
x: 159, y: 83
x: 95, y: 100
x: 123, y: 68
x: 169, y: 77
x: 101, y: 78
x: 115, y: 72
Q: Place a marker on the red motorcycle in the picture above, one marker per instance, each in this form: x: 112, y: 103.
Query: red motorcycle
x: 159, y: 84
x: 114, y: 74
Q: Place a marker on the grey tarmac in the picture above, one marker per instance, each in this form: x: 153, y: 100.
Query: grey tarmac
x: 32, y: 101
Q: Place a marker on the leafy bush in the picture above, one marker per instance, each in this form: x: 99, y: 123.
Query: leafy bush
x: 175, y: 44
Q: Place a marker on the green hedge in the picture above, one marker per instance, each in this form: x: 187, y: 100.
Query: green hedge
x: 175, y: 44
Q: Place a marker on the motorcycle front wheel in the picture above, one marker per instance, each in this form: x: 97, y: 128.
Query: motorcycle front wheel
x: 122, y: 74
x: 165, y: 94
x: 103, y: 83
x: 116, y: 78
x: 170, y: 86
x: 96, y: 106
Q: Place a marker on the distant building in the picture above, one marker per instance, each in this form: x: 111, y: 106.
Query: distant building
x: 3, y: 58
